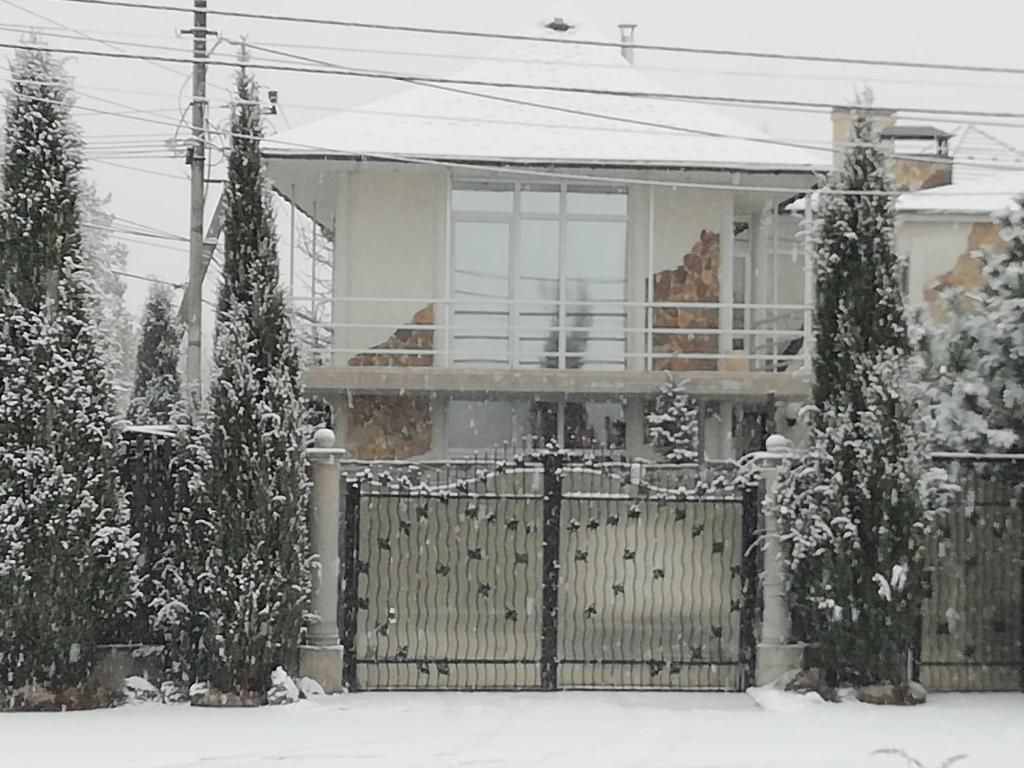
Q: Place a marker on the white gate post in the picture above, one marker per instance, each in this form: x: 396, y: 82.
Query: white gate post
x: 776, y: 654
x: 322, y: 658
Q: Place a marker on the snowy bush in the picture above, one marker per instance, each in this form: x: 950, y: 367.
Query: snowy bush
x: 975, y: 355
x: 672, y: 424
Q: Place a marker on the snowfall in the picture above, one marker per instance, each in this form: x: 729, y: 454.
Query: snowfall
x: 760, y: 729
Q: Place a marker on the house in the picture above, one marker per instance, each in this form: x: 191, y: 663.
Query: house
x: 940, y: 230
x: 527, y: 263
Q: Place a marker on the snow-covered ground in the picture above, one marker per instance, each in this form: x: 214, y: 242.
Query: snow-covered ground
x: 702, y: 730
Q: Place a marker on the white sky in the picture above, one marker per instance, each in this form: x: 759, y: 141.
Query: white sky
x: 154, y: 192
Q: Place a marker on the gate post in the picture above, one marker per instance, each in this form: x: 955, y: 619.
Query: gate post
x: 322, y: 658
x: 550, y: 548
x: 349, y: 598
x: 776, y: 654
x: 749, y: 581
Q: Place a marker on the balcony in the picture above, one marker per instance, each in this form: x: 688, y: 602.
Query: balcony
x: 591, y: 347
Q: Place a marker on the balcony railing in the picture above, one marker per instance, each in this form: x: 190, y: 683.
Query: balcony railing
x: 591, y: 335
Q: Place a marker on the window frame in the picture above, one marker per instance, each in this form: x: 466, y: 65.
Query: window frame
x: 514, y: 219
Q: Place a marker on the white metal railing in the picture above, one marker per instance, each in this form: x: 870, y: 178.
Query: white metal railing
x: 591, y: 334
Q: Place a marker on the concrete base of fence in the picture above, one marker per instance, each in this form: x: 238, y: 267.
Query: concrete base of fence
x: 323, y: 663
x: 116, y: 662
x: 775, y: 660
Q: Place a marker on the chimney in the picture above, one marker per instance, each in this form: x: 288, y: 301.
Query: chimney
x: 911, y: 170
x: 626, y: 35
x: 842, y: 127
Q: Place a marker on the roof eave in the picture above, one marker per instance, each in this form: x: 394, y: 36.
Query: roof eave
x: 553, y: 163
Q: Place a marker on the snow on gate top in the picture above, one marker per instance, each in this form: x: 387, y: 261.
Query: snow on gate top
x: 531, y: 126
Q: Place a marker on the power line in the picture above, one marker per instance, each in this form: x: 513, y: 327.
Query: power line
x: 805, y: 58
x: 414, y: 79
x: 526, y: 171
x: 448, y: 55
x: 157, y: 280
x: 136, y: 169
x: 110, y: 45
x: 101, y: 41
x: 614, y: 118
x: 664, y: 126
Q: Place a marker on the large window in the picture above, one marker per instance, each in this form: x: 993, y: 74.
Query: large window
x: 538, y: 276
x: 488, y: 425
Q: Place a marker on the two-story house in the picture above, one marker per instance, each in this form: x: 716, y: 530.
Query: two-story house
x: 522, y: 251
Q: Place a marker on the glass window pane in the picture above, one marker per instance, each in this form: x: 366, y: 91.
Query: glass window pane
x: 540, y: 199
x: 607, y: 201
x: 741, y: 254
x: 480, y: 288
x: 543, y: 423
x: 595, y: 425
x: 480, y: 425
x: 537, y: 293
x: 595, y: 288
x: 483, y: 200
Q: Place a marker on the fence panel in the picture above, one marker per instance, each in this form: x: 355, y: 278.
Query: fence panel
x: 973, y: 618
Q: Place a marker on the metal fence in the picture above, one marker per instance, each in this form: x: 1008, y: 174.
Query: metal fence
x: 972, y: 634
x: 546, y: 572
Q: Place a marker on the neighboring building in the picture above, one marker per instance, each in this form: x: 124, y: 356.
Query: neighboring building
x: 940, y: 230
x: 521, y: 263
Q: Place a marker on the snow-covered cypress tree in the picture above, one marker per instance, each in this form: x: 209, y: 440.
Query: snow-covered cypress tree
x: 672, y: 425
x: 857, y: 510
x: 157, y: 379
x: 67, y: 573
x: 256, y: 484
x: 103, y: 258
x: 859, y: 300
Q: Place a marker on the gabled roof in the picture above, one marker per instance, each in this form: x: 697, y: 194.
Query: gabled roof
x: 979, y: 197
x: 977, y: 153
x: 474, y: 123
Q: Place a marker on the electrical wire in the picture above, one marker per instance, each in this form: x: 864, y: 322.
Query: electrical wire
x: 449, y: 55
x: 615, y: 118
x: 437, y: 83
x: 448, y: 32
x: 147, y: 171
x: 454, y: 81
x: 157, y: 280
x: 527, y: 172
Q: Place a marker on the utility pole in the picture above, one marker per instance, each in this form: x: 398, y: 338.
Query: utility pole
x: 197, y: 163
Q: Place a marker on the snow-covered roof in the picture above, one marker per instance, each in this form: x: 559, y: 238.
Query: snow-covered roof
x: 976, y: 197
x: 977, y: 153
x: 539, y: 127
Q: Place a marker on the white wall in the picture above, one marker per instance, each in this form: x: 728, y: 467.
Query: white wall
x: 392, y: 232
x: 932, y: 248
x: 679, y: 217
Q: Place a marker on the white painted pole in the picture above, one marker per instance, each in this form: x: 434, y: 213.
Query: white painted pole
x: 323, y: 532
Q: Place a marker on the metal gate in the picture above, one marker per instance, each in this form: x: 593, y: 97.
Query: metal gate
x: 972, y: 636
x: 547, y: 572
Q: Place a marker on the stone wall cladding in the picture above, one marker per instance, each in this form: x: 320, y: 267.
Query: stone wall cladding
x: 695, y: 280
x: 394, y: 426
x: 966, y: 273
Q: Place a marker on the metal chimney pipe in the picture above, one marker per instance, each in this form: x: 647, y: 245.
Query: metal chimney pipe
x: 626, y: 35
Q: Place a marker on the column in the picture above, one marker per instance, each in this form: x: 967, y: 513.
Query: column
x: 725, y: 274
x: 322, y: 658
x: 776, y: 654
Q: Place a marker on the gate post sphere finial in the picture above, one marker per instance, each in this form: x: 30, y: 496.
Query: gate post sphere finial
x: 777, y: 444
x: 324, y: 438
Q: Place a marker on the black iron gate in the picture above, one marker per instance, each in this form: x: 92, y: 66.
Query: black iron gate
x: 547, y: 572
